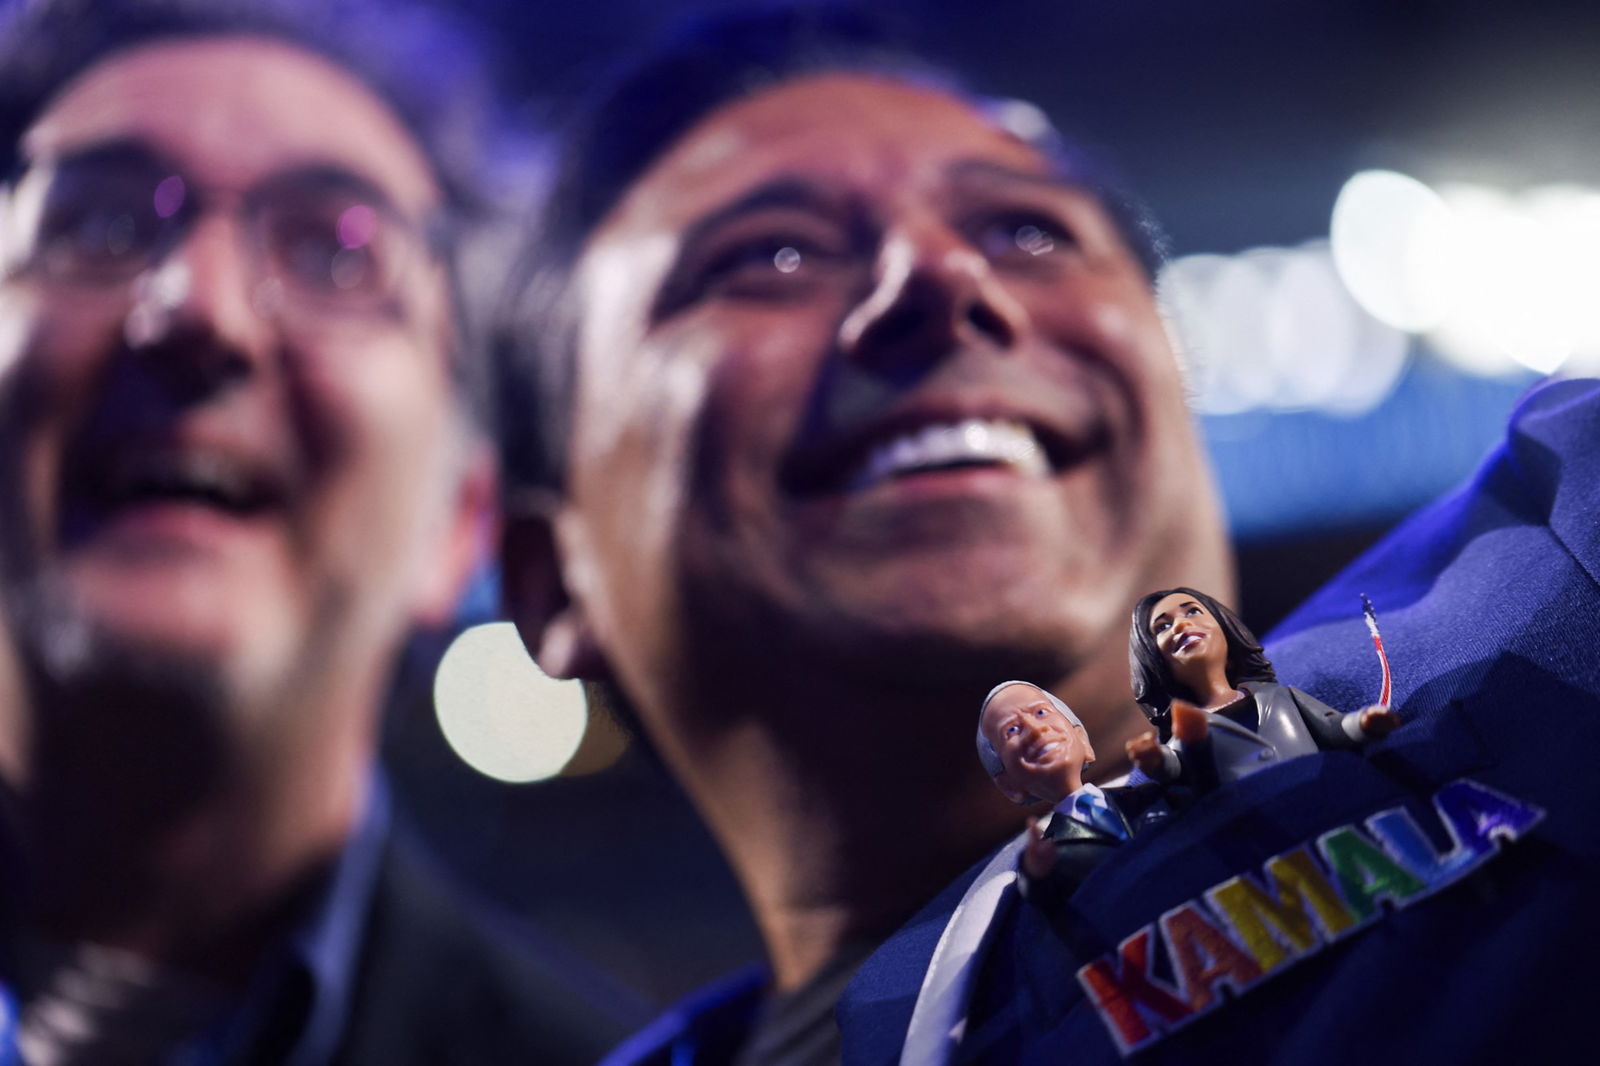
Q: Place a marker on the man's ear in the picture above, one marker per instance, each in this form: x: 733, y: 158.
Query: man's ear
x: 1016, y: 795
x: 467, y: 533
x: 554, y: 626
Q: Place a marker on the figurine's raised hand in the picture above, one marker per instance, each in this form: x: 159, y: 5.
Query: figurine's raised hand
x: 1145, y: 753
x: 1377, y: 721
x: 1189, y: 723
x: 1039, y: 854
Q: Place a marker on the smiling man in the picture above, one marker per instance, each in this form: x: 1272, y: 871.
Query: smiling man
x: 238, y: 468
x: 870, y: 406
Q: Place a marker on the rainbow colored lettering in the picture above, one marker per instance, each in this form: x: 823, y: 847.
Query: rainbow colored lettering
x: 1248, y: 928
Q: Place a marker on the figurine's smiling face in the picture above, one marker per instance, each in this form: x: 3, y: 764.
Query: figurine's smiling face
x: 1042, y: 750
x: 1189, y: 638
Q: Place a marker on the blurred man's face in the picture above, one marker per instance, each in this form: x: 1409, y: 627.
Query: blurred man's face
x: 228, y: 431
x: 860, y: 370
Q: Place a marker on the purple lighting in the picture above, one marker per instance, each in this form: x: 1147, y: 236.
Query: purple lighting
x: 169, y: 196
x: 357, y: 225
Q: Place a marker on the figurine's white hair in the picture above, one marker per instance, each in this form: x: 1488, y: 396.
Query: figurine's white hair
x: 986, y: 753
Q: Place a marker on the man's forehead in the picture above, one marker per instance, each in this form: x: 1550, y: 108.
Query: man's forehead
x: 842, y: 132
x: 232, y: 110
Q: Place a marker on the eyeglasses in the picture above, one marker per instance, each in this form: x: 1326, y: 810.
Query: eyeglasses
x: 327, y: 241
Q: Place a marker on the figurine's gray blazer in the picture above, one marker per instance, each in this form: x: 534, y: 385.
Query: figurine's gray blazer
x: 1290, y: 723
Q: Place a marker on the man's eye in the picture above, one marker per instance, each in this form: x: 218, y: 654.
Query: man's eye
x: 766, y: 266
x: 338, y: 252
x: 1021, y: 238
x: 96, y: 236
x: 305, y: 249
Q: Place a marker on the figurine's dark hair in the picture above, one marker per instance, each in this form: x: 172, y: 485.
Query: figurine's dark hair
x: 614, y: 138
x: 1153, y: 684
x: 423, y: 63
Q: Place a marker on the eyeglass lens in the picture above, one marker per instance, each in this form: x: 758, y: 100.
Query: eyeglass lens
x: 324, y: 235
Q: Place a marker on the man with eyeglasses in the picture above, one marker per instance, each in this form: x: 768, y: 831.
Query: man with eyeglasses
x: 237, y: 466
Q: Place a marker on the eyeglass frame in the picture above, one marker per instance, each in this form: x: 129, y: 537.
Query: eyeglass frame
x: 428, y: 239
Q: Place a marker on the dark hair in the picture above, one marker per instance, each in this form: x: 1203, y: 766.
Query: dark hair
x: 709, y: 63
x: 1153, y: 683
x: 426, y: 66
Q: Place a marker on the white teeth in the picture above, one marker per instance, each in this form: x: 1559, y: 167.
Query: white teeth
x: 972, y: 440
x: 202, y: 471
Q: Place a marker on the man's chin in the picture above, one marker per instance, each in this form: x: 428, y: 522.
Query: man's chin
x: 934, y: 653
x: 143, y: 718
x: 929, y: 620
x: 1039, y: 634
x: 1021, y: 585
x: 71, y: 643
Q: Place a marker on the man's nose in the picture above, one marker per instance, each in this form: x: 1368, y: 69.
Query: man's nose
x: 933, y: 292
x: 198, y: 311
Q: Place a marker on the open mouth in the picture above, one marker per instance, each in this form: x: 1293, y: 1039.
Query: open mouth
x: 122, y: 481
x: 929, y: 446
x: 1187, y: 641
x: 1037, y: 754
x: 950, y: 446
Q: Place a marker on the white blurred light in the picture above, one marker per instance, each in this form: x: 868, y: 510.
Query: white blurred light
x: 1505, y: 291
x: 1021, y: 119
x: 1500, y: 283
x: 1273, y: 328
x: 1573, y: 213
x: 500, y: 713
x: 1181, y: 289
x: 1390, y: 234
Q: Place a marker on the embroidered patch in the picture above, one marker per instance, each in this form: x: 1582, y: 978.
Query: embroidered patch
x: 1248, y: 928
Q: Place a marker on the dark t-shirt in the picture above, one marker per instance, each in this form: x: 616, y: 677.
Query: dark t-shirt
x: 797, y: 1028
x: 1242, y: 712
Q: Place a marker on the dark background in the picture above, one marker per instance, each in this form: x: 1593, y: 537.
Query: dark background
x: 1238, y: 120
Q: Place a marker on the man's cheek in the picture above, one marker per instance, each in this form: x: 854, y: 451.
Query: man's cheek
x: 15, y: 326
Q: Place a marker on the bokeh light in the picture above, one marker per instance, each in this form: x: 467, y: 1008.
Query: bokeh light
x: 1498, y: 282
x: 1274, y: 329
x: 357, y: 225
x: 500, y: 713
x: 169, y: 196
x: 1391, y: 236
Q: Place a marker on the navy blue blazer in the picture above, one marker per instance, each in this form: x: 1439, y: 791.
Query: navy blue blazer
x: 1463, y: 921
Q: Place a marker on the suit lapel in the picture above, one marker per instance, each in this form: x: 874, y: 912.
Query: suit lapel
x: 1064, y: 828
x: 1223, y: 724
